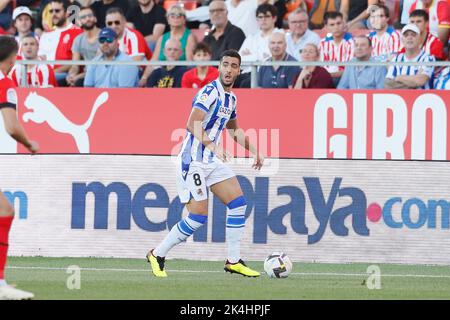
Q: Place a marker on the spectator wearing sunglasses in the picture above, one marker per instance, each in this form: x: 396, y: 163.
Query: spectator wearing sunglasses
x: 131, y: 41
x: 57, y: 44
x: 101, y: 8
x: 85, y: 46
x: 111, y: 76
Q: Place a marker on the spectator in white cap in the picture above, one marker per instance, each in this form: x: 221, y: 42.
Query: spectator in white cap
x: 410, y: 77
x: 23, y: 23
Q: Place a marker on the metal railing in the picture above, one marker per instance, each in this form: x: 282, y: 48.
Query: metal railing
x: 245, y: 64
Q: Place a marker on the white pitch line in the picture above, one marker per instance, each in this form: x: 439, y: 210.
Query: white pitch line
x: 317, y: 274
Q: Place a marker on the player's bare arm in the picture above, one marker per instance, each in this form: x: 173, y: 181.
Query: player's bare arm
x: 194, y: 125
x: 16, y: 131
x: 239, y: 136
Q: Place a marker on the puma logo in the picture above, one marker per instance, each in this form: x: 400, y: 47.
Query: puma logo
x: 43, y: 110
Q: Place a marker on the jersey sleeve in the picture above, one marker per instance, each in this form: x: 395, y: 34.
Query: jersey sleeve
x: 205, y: 98
x: 8, y: 95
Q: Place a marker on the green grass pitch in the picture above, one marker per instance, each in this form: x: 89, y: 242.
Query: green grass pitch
x: 131, y: 279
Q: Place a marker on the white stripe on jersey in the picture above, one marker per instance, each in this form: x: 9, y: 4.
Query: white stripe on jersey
x: 395, y: 71
x: 443, y: 82
x: 220, y: 107
x: 389, y: 42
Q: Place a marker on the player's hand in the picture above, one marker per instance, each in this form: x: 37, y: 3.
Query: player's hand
x: 222, y: 154
x: 259, y: 161
x: 142, y: 82
x: 33, y: 147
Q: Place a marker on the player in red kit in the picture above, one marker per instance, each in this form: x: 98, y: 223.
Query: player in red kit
x: 8, y: 100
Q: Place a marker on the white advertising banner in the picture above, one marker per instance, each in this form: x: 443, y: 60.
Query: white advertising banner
x: 314, y: 210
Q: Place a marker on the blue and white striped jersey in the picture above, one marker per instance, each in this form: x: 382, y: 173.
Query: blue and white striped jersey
x: 443, y: 81
x: 220, y: 107
x: 395, y: 71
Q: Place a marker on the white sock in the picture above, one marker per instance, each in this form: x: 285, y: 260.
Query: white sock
x: 179, y: 233
x: 235, y: 228
x: 3, y: 283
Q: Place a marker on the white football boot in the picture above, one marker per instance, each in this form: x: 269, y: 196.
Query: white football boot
x: 10, y: 293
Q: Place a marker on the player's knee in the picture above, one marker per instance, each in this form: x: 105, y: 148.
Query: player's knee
x: 237, y: 202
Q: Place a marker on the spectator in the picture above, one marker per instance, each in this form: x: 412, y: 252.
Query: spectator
x: 277, y: 76
x: 200, y: 76
x: 57, y: 44
x: 150, y: 19
x: 299, y: 35
x: 338, y: 45
x: 256, y: 46
x: 111, y: 76
x: 44, y: 18
x: 410, y: 77
x: 176, y: 16
x: 85, y: 46
x: 443, y: 81
x: 101, y: 8
x: 385, y: 40
x: 313, y: 77
x: 131, y: 42
x: 23, y: 22
x: 363, y: 77
x: 429, y: 43
x: 38, y: 76
x: 6, y: 11
x: 355, y: 13
x: 224, y: 34
x: 318, y: 10
x: 168, y: 76
x: 439, y: 13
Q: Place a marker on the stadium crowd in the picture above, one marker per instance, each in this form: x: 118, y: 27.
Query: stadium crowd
x: 261, y: 30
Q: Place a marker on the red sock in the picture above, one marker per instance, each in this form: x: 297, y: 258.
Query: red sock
x: 5, y: 225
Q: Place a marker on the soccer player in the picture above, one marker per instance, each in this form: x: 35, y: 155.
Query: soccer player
x: 8, y: 100
x: 201, y: 165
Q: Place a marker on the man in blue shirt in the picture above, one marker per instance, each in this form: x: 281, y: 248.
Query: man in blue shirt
x: 111, y: 76
x: 363, y: 77
x: 278, y: 76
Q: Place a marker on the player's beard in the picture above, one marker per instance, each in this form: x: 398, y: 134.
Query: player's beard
x: 227, y: 84
x: 60, y: 22
x: 88, y: 27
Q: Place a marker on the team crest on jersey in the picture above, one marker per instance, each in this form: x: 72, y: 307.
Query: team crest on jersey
x: 11, y: 96
x: 66, y: 38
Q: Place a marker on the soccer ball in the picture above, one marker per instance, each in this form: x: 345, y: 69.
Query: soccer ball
x: 278, y: 265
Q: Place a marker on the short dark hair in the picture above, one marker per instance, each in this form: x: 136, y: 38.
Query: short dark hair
x: 230, y: 53
x: 115, y: 10
x: 266, y: 7
x: 331, y: 15
x: 87, y: 8
x: 381, y: 6
x: 420, y: 13
x: 64, y: 3
x: 8, y: 47
x: 202, y: 46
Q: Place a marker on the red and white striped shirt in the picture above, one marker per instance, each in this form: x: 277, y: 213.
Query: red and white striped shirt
x: 133, y: 44
x: 389, y: 42
x: 39, y: 76
x: 439, y: 12
x: 57, y: 44
x: 330, y: 51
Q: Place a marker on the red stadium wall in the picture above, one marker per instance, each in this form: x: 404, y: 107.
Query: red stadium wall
x: 290, y: 124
